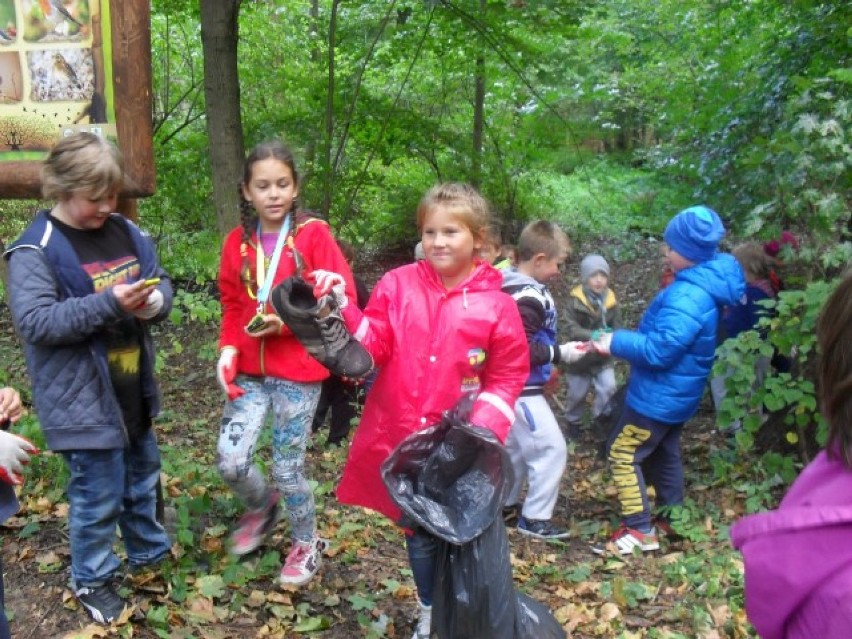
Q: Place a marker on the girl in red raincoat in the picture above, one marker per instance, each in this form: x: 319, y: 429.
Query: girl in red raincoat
x: 438, y: 329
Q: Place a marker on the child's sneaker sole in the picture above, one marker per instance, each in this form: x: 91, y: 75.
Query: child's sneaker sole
x: 626, y: 540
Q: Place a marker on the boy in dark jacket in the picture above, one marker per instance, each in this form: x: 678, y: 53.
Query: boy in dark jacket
x: 592, y: 309
x: 84, y: 286
x: 535, y: 443
x: 671, y: 354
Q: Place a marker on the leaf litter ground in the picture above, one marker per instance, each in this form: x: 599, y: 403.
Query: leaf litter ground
x: 687, y: 589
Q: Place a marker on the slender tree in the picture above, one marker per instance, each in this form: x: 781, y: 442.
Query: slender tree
x: 219, y: 36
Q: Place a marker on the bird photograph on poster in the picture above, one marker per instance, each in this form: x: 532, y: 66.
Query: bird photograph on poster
x: 56, y: 20
x: 61, y: 75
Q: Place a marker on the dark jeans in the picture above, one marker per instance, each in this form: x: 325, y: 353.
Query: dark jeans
x: 422, y: 556
x: 4, y: 623
x: 342, y: 399
x: 639, y: 450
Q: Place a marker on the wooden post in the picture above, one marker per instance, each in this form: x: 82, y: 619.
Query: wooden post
x: 127, y: 207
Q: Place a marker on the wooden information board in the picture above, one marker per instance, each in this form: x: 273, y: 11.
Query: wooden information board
x: 72, y: 65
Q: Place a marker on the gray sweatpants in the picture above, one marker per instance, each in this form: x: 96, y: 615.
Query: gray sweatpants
x: 604, y: 385
x: 538, y: 452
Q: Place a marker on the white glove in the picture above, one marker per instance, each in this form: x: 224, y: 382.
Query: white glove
x: 602, y: 344
x: 151, y: 307
x: 330, y: 283
x: 14, y: 455
x: 570, y: 352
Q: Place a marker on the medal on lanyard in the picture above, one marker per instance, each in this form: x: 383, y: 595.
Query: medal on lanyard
x: 264, y: 279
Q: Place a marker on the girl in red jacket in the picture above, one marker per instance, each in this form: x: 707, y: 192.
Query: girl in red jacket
x: 262, y: 367
x: 438, y: 329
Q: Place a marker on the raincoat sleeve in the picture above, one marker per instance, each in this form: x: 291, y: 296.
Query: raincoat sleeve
x: 372, y: 326
x: 506, y: 370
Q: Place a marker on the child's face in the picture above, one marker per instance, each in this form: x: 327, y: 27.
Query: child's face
x: 544, y: 268
x: 598, y: 282
x: 449, y: 245
x: 82, y: 212
x: 676, y: 261
x: 489, y: 252
x: 271, y: 190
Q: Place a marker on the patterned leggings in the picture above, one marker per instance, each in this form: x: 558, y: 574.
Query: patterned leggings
x: 293, y: 405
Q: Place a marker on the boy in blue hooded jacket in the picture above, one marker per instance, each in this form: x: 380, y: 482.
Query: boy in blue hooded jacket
x: 671, y: 355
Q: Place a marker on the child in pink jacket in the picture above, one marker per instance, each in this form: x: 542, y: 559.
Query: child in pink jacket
x: 798, y: 558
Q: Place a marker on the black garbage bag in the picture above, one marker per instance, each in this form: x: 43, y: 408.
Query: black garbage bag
x: 452, y: 480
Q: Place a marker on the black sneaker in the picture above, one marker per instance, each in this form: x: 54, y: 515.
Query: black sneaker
x: 541, y: 529
x: 511, y: 514
x: 101, y: 602
x: 319, y: 328
x: 575, y: 429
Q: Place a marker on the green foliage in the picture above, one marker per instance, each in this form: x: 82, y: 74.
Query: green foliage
x: 604, y: 199
x: 791, y: 332
x: 790, y: 395
x: 191, y: 257
x: 199, y: 306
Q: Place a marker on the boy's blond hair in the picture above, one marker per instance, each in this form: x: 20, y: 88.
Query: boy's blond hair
x: 544, y: 237
x: 82, y: 163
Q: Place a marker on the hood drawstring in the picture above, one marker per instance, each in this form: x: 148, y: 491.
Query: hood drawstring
x: 464, y: 297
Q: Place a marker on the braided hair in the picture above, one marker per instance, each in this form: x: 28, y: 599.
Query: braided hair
x: 248, y: 216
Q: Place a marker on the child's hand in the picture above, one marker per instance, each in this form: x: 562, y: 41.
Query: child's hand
x: 602, y: 344
x: 11, y: 408
x: 272, y: 325
x: 151, y: 306
x: 15, y: 453
x: 570, y: 352
x: 329, y: 283
x: 131, y: 297
x: 226, y: 373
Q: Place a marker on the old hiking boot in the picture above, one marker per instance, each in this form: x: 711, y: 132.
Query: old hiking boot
x: 319, y: 328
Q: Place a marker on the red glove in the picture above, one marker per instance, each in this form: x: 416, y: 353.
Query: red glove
x: 226, y: 373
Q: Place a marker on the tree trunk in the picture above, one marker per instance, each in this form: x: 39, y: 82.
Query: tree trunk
x: 478, y: 113
x: 219, y: 32
x: 316, y: 55
x: 328, y: 142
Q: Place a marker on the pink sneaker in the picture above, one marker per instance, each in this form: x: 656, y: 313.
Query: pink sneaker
x: 255, y: 525
x: 303, y: 561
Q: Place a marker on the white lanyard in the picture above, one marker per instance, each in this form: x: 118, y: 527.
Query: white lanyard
x: 265, y: 283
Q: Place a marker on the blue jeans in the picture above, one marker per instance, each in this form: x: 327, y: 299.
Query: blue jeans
x: 422, y: 557
x: 108, y: 488
x: 4, y: 623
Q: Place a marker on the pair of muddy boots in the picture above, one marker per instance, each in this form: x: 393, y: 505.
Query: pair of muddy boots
x: 318, y: 326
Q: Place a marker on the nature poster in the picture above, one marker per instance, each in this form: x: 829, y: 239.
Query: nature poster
x: 55, y: 73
